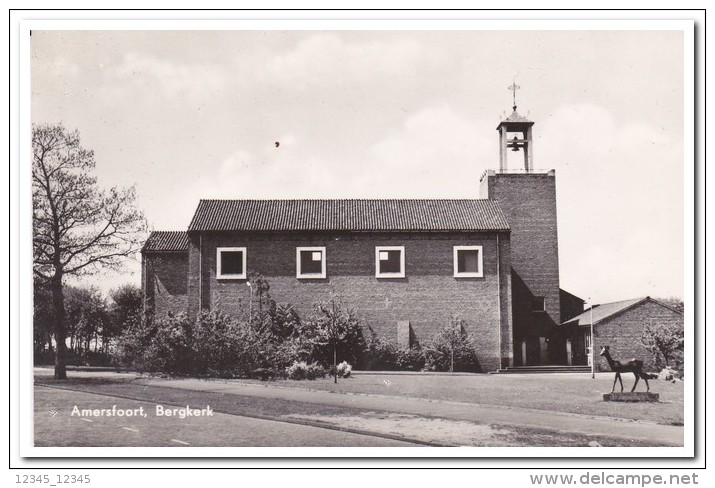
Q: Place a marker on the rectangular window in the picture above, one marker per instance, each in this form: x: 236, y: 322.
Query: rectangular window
x: 310, y: 262
x: 538, y: 304
x: 468, y: 262
x: 231, y: 263
x: 390, y: 261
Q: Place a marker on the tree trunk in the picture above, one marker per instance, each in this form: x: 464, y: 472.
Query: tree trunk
x: 58, y: 303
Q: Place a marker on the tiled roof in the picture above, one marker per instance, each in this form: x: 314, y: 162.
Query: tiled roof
x: 349, y: 215
x: 166, y: 241
x: 602, y: 312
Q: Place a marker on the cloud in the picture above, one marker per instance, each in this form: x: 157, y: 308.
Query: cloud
x: 326, y: 58
x: 170, y: 79
x: 435, y: 153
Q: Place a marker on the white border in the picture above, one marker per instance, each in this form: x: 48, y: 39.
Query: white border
x: 299, y: 272
x: 222, y: 276
x: 20, y: 214
x: 401, y: 273
x: 466, y: 274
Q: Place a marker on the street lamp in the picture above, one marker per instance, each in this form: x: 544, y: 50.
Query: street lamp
x: 250, y: 301
x: 593, y: 356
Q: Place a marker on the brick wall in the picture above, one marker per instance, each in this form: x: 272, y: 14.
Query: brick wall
x: 165, y: 282
x: 623, y: 333
x: 426, y: 297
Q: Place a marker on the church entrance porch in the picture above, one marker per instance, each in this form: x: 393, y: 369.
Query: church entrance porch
x: 543, y: 350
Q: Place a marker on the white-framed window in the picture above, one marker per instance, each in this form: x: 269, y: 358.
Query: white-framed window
x: 389, y: 261
x: 310, y: 262
x: 468, y: 262
x: 538, y: 304
x: 231, y: 263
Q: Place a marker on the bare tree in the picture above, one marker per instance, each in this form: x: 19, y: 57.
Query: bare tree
x: 77, y: 227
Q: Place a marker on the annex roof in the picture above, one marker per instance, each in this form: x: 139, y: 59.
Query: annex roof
x: 349, y: 215
x: 608, y: 310
x: 167, y: 241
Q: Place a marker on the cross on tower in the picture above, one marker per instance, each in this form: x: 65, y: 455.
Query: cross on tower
x: 514, y: 87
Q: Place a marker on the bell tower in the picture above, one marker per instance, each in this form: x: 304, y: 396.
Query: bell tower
x: 520, y: 128
x: 528, y: 199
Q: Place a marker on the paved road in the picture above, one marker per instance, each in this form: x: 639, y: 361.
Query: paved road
x: 55, y: 426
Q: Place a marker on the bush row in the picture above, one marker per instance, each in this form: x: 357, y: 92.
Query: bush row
x: 273, y: 341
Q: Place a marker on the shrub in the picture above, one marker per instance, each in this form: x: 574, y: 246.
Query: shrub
x: 170, y: 348
x: 665, y: 342
x: 314, y: 371
x: 300, y: 370
x: 410, y: 359
x: 218, y: 345
x: 669, y: 374
x: 343, y: 369
x: 133, y: 344
x: 296, y: 371
x: 452, y: 349
x: 214, y: 344
x: 379, y: 354
x: 331, y: 330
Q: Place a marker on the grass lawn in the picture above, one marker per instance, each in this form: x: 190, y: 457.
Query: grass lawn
x: 573, y: 393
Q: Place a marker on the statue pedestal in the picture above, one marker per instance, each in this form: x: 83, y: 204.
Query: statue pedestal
x: 636, y: 396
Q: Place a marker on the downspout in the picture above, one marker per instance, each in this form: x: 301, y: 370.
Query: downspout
x: 201, y: 274
x: 145, y: 290
x: 499, y: 301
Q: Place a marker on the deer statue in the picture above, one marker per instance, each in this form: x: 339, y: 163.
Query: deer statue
x: 634, y: 366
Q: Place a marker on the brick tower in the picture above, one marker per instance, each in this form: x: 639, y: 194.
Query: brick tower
x: 528, y: 199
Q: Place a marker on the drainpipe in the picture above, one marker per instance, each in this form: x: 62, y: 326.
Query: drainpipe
x: 593, y: 348
x: 499, y: 301
x: 144, y: 286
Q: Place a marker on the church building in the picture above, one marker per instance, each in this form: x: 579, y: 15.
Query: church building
x: 405, y: 265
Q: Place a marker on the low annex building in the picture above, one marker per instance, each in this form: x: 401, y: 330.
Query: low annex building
x: 620, y: 325
x: 405, y: 265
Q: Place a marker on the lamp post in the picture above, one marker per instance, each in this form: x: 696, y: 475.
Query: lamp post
x: 593, y: 356
x: 250, y: 301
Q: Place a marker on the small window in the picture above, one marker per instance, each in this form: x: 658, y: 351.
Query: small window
x: 310, y: 262
x: 538, y: 304
x: 468, y: 262
x: 390, y: 261
x: 231, y: 263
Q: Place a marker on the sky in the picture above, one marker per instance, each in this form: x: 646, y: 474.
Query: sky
x: 186, y: 115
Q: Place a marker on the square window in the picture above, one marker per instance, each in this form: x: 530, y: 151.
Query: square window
x: 468, y: 262
x: 310, y: 262
x: 231, y: 263
x: 390, y: 261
